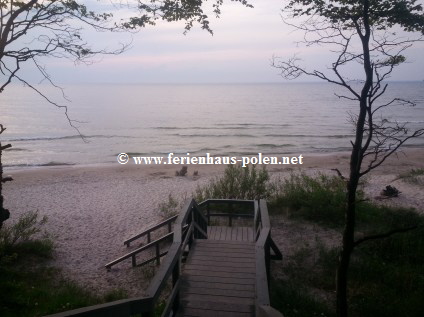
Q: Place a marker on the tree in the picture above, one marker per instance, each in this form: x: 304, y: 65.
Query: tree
x: 4, y: 213
x: 359, y: 33
x: 33, y: 29
x: 38, y: 28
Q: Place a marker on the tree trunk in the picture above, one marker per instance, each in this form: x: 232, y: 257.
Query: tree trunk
x: 355, y: 172
x: 4, y: 213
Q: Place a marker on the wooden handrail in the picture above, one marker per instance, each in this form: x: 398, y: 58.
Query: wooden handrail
x: 230, y: 202
x: 264, y: 243
x: 124, y: 307
x: 136, y: 251
x: 185, y: 228
x: 190, y: 224
x: 148, y: 231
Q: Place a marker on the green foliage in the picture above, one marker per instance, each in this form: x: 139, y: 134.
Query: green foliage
x: 320, y: 198
x: 237, y: 182
x: 170, y: 207
x: 382, y: 14
x: 172, y: 10
x: 294, y: 300
x: 20, y: 235
x: 385, y: 277
x: 28, y: 287
x: 414, y: 176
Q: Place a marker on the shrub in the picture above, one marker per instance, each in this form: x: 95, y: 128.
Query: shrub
x: 21, y: 234
x: 237, y: 182
x: 169, y: 208
x: 414, y: 176
x: 320, y: 198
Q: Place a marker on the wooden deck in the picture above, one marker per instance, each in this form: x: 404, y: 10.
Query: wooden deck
x: 219, y: 278
x: 214, y: 270
x: 230, y: 233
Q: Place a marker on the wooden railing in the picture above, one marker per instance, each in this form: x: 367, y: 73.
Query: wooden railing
x: 191, y: 224
x: 156, y: 244
x: 263, y: 246
x: 168, y: 222
x: 209, y: 204
x: 196, y: 228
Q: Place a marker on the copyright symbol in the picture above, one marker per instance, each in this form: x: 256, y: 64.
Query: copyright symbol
x: 123, y: 158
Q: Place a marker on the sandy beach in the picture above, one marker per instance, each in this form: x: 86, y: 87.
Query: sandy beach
x: 91, y: 210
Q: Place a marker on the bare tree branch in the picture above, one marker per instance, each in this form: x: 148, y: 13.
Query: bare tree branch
x: 384, y: 235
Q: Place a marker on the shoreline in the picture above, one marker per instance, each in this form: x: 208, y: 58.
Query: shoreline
x: 92, y: 209
x: 407, y: 157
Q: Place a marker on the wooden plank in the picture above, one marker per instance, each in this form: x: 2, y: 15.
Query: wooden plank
x: 213, y: 285
x: 218, y: 292
x: 239, y: 234
x: 240, y: 261
x: 243, y: 275
x: 218, y: 299
x: 223, y: 233
x: 245, y: 234
x: 225, y: 243
x: 222, y: 245
x: 218, y: 233
x: 211, y: 231
x: 212, y: 313
x: 213, y: 306
x: 212, y: 268
x: 224, y: 249
x: 223, y: 254
x: 214, y: 279
x: 227, y: 233
x: 251, y: 234
x: 197, y: 261
x: 234, y: 234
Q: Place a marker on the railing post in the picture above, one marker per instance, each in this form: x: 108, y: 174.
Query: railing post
x: 268, y: 261
x: 175, y: 277
x: 148, y: 237
x: 230, y: 218
x: 169, y: 227
x: 208, y: 216
x: 133, y: 261
x: 157, y: 254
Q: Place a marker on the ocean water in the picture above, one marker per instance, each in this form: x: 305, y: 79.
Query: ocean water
x: 153, y: 120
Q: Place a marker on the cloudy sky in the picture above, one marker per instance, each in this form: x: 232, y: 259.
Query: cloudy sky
x: 241, y: 50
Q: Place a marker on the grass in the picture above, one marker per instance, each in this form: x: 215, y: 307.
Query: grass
x: 237, y: 182
x: 294, y: 301
x: 385, y: 279
x: 386, y: 276
x: 320, y: 199
x: 28, y: 286
x: 414, y: 176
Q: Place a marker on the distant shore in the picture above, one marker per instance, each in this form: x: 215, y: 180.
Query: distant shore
x: 92, y: 209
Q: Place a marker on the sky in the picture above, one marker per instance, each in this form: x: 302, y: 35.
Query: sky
x: 240, y: 51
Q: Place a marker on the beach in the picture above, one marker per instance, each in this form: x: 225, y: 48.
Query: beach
x: 92, y: 209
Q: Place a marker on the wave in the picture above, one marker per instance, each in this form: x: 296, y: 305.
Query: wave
x: 200, y: 128
x: 225, y: 126
x: 340, y: 136
x: 270, y: 145
x: 213, y: 135
x: 17, y: 149
x: 66, y: 137
x: 52, y: 163
x: 256, y: 124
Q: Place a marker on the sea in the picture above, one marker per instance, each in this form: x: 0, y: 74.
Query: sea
x: 157, y: 119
